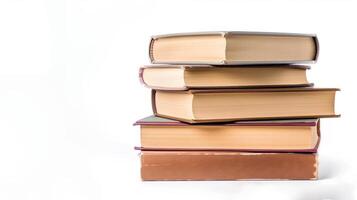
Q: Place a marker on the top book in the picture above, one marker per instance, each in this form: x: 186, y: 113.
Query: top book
x: 235, y: 48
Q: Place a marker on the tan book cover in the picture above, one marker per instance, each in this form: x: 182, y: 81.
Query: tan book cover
x: 223, y: 105
x: 233, y: 47
x: 247, y: 136
x: 185, y: 77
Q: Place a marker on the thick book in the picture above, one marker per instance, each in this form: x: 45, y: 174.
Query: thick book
x: 225, y: 48
x: 207, y: 165
x: 161, y: 134
x: 221, y: 105
x: 184, y: 77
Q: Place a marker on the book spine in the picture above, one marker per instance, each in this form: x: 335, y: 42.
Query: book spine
x: 317, y: 47
x: 201, y: 165
x: 141, y: 76
x: 142, y: 81
x: 318, y: 135
x: 151, y: 46
x: 153, y: 102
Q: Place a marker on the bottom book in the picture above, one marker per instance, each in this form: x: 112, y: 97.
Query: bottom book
x: 216, y: 165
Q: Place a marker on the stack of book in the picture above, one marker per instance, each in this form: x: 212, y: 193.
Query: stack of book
x: 232, y: 106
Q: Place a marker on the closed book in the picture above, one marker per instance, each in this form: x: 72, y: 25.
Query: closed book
x: 160, y: 134
x: 222, y: 105
x: 229, y: 48
x: 208, y: 165
x: 184, y: 77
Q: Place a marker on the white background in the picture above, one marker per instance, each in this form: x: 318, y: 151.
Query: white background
x: 69, y: 94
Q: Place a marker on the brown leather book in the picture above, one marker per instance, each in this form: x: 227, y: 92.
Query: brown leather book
x: 223, y: 105
x: 225, y: 48
x: 295, y: 135
x: 203, y: 165
x: 184, y: 77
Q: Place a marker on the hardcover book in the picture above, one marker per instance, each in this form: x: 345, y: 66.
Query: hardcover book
x: 222, y: 48
x: 184, y: 77
x: 203, y: 165
x: 201, y: 106
x: 248, y: 136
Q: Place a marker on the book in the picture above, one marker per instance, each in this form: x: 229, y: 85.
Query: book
x: 254, y: 136
x: 221, y: 105
x: 203, y: 165
x: 184, y: 77
x: 225, y: 48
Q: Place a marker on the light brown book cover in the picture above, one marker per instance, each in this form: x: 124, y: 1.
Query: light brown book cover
x: 296, y: 135
x: 203, y: 165
x: 224, y: 105
x: 233, y: 47
x: 184, y: 77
